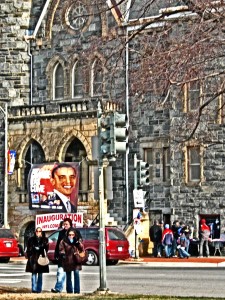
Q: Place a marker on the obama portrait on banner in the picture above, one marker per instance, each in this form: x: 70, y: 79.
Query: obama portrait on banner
x: 54, y: 187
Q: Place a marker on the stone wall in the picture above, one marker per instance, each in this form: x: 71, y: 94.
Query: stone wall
x: 33, y: 115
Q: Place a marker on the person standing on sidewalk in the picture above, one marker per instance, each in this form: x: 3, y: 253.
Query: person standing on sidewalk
x: 175, y: 228
x: 187, y: 232
x: 61, y: 275
x: 155, y: 233
x: 167, y: 240
x: 36, y: 246
x: 204, y: 237
x: 67, y: 248
x: 183, y: 245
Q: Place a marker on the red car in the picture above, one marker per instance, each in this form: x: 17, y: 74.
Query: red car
x: 117, y: 245
x: 8, y: 245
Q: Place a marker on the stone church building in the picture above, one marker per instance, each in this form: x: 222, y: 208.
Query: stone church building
x: 57, y: 63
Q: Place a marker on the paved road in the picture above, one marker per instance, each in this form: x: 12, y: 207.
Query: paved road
x: 132, y: 279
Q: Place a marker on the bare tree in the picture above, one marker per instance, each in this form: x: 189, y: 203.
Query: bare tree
x: 177, y: 57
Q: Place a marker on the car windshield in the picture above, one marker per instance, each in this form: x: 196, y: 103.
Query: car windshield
x: 116, y: 235
x: 6, y: 233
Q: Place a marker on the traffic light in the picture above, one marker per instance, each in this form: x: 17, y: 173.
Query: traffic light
x: 147, y: 201
x: 118, y: 133
x: 105, y: 139
x: 142, y: 173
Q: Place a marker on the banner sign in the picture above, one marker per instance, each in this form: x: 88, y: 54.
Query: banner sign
x: 49, y: 222
x: 138, y: 198
x: 11, y: 161
x: 54, y: 187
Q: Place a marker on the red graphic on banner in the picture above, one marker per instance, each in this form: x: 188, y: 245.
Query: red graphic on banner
x: 54, y: 187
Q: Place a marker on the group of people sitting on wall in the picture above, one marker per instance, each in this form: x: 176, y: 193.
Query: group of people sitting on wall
x: 174, y: 241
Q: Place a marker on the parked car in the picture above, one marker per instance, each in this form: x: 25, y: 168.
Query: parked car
x: 117, y: 245
x: 8, y: 245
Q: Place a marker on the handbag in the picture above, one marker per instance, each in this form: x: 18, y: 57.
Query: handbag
x: 43, y: 261
x: 81, y: 257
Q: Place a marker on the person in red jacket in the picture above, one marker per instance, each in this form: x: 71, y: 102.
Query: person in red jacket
x: 204, y: 234
x: 167, y: 240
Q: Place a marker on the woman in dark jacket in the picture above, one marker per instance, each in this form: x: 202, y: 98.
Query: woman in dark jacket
x: 35, y: 247
x: 67, y: 247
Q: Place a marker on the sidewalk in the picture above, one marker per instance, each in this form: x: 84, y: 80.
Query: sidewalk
x: 204, y: 262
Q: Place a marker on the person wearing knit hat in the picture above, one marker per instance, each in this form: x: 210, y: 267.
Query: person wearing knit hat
x: 204, y: 234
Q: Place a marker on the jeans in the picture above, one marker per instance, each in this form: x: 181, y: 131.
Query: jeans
x: 174, y: 247
x: 201, y: 247
x: 36, y: 282
x: 187, y: 245
x: 157, y: 250
x: 70, y: 287
x: 183, y: 253
x: 61, y: 276
x: 168, y: 250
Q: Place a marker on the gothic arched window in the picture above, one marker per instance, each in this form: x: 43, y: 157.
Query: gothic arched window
x: 77, y: 153
x: 97, y: 78
x: 58, y: 82
x: 77, y: 80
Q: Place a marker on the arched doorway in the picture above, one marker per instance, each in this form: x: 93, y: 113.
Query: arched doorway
x: 29, y: 231
x: 77, y: 153
x: 34, y: 155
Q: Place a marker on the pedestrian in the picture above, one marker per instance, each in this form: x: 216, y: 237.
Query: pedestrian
x: 175, y: 229
x: 21, y: 251
x: 183, y: 244
x: 60, y: 225
x: 204, y: 234
x: 187, y: 232
x: 155, y: 233
x: 167, y: 240
x: 67, y: 248
x: 61, y: 275
x: 37, y: 245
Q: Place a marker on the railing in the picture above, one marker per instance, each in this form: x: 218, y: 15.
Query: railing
x: 24, y: 197
x: 73, y: 107
x: 85, y: 105
x: 21, y: 111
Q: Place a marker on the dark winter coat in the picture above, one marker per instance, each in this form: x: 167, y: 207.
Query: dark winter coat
x: 61, y: 236
x: 175, y: 229
x: 155, y: 233
x: 35, y: 248
x: 66, y: 251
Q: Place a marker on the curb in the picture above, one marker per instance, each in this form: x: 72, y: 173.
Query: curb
x: 195, y: 262
x: 176, y: 264
x: 200, y: 263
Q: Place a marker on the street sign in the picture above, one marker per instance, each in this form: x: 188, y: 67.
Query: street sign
x: 138, y: 198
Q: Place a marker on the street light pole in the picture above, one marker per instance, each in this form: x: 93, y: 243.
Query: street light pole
x: 102, y: 250
x: 5, y: 113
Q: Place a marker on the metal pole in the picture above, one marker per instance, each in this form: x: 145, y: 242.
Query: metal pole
x: 5, y: 212
x: 127, y: 113
x: 135, y: 187
x: 135, y: 171
x: 102, y: 250
x: 6, y: 169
